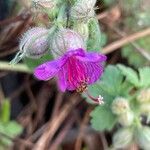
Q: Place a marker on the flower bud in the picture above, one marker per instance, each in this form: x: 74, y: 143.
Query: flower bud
x: 143, y: 137
x: 64, y: 40
x: 144, y: 96
x: 45, y: 3
x: 33, y: 44
x: 144, y: 108
x: 82, y: 29
x: 83, y: 10
x: 49, y: 7
x: 120, y: 105
x: 126, y: 119
x: 122, y: 138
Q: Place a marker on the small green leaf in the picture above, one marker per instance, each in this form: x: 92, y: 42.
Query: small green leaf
x: 13, y: 128
x: 144, y: 74
x: 10, y: 129
x: 111, y: 80
x: 130, y: 74
x: 5, y: 111
x: 103, y: 118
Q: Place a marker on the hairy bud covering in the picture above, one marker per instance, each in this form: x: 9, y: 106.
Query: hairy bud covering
x: 126, y: 119
x: 82, y: 29
x: 120, y: 105
x: 122, y: 138
x: 144, y: 96
x: 33, y: 44
x: 64, y: 40
x: 143, y: 137
x: 83, y: 10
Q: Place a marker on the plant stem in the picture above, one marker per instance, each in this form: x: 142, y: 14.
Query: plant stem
x: 16, y: 68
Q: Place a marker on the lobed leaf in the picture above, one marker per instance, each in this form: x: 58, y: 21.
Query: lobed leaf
x: 144, y: 74
x: 103, y: 118
x: 130, y: 74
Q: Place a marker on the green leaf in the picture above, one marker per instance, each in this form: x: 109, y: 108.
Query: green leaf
x: 10, y: 129
x: 103, y: 118
x: 5, y: 111
x: 112, y: 81
x: 144, y: 74
x: 130, y: 74
x: 109, y: 2
x: 135, y: 58
x: 13, y: 128
x: 94, y: 41
x: 32, y: 63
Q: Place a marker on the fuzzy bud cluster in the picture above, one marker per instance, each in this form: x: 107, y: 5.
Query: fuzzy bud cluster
x: 121, y: 108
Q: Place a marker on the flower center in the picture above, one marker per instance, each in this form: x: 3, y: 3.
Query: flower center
x: 82, y: 87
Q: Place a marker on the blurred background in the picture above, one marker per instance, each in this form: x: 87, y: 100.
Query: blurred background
x: 35, y: 114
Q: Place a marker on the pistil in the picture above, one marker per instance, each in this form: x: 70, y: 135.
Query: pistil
x: 98, y: 100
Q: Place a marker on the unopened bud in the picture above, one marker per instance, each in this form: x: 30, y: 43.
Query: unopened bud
x: 145, y: 108
x: 122, y: 138
x: 49, y: 7
x: 143, y: 137
x: 82, y: 29
x: 33, y: 44
x: 83, y: 10
x: 126, y: 119
x: 45, y: 3
x: 120, y: 105
x: 144, y: 96
x: 65, y: 40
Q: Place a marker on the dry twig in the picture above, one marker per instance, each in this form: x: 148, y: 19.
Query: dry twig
x: 55, y: 123
x: 125, y: 40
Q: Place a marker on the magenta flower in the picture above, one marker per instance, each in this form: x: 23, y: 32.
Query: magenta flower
x: 75, y: 70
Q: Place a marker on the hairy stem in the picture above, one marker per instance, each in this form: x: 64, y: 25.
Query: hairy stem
x: 16, y: 68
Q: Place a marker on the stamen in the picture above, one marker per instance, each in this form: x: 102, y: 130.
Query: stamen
x: 98, y: 100
x: 76, y: 74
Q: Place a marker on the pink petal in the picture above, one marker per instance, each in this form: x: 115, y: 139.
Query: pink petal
x: 75, y: 52
x: 62, y: 83
x: 49, y: 69
x: 93, y: 72
x: 92, y: 57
